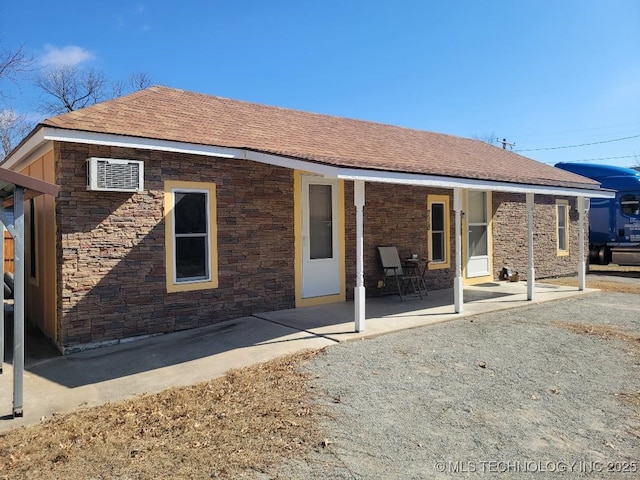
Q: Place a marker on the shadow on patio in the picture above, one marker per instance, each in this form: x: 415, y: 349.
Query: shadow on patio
x: 388, y: 313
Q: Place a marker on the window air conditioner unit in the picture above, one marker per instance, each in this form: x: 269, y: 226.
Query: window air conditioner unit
x: 113, y: 175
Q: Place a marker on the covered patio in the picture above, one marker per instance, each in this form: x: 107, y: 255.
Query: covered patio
x: 388, y: 314
x: 459, y: 187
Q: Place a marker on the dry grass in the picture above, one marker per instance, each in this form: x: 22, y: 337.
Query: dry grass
x: 603, y: 331
x: 244, y: 422
x: 606, y: 285
x: 612, y: 268
x: 632, y: 399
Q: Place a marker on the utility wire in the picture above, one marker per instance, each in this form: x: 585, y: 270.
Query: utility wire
x: 581, y: 145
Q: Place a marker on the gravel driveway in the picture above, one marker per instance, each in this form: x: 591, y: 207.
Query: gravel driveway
x: 552, y: 390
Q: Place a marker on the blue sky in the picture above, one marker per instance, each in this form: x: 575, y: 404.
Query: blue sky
x: 540, y: 73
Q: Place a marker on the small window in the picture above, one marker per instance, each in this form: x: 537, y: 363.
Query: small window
x: 191, y: 247
x: 320, y: 221
x: 437, y: 232
x: 562, y: 224
x: 630, y: 204
x: 438, y: 235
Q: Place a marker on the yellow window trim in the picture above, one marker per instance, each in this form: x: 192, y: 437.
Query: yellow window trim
x: 559, y: 252
x: 169, y: 187
x: 443, y: 199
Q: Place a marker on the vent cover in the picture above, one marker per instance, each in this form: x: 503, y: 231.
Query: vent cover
x: 113, y: 175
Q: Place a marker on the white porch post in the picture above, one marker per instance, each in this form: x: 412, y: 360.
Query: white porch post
x: 583, y: 209
x: 531, y: 272
x: 359, y: 292
x: 18, y: 301
x: 457, y: 282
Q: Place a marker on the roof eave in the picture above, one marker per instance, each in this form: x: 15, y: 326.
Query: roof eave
x: 472, y: 184
x: 44, y: 134
x: 419, y: 179
x: 32, y: 145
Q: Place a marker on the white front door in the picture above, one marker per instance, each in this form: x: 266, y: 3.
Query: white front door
x: 477, y: 234
x: 320, y: 237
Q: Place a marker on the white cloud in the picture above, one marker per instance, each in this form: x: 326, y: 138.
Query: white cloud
x: 66, y: 56
x: 133, y: 18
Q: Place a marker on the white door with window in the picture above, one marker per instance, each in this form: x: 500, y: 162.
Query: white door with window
x: 320, y: 237
x: 477, y: 214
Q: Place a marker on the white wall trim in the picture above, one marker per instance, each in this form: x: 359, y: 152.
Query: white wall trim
x: 45, y: 135
x: 467, y: 183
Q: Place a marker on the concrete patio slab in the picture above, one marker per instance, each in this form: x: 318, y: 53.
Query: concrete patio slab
x: 389, y: 314
x: 59, y: 384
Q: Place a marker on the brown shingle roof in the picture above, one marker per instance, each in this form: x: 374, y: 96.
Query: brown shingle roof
x: 176, y: 115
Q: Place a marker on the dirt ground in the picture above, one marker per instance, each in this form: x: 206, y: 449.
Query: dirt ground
x: 535, y: 392
x: 555, y: 385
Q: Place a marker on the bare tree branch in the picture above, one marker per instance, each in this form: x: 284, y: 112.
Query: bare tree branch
x: 71, y: 88
x: 13, y: 62
x: 490, y: 138
x: 139, y: 81
x: 118, y: 89
x: 13, y: 127
x: 68, y: 88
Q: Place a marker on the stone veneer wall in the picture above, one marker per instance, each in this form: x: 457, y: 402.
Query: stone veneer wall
x: 510, y: 242
x: 111, y: 254
x: 393, y: 215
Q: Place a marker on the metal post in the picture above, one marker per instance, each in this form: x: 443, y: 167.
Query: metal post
x: 359, y: 292
x: 18, y: 301
x: 531, y: 273
x: 583, y: 208
x: 9, y: 227
x: 458, y: 299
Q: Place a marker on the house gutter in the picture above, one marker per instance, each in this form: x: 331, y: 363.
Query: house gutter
x: 40, y: 142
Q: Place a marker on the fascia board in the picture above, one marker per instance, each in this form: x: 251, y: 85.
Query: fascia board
x: 48, y: 134
x: 32, y: 146
x: 91, y: 138
x: 468, y: 183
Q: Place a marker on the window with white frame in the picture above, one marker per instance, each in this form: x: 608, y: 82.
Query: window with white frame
x: 439, y: 237
x: 190, y: 236
x: 562, y: 227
